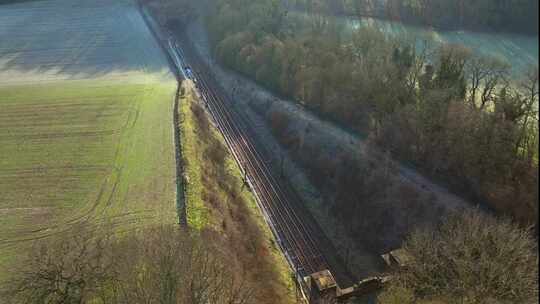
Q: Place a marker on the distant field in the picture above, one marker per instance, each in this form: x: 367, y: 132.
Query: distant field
x: 520, y: 51
x: 86, y: 100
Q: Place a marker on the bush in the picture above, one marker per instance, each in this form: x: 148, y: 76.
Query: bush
x: 156, y: 265
x: 472, y: 258
x: 397, y: 295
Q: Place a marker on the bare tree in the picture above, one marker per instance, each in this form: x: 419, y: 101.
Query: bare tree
x: 68, y: 269
x: 529, y: 88
x: 472, y: 258
x: 156, y: 265
x: 485, y: 75
x: 165, y: 265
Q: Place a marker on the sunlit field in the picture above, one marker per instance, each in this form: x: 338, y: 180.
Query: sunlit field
x: 86, y: 99
x: 520, y: 51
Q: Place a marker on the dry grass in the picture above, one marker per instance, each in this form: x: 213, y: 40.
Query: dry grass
x: 218, y: 201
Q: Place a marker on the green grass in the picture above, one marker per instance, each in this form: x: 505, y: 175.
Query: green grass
x: 90, y: 151
x: 193, y: 146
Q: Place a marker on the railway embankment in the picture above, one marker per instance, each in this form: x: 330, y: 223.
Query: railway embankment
x: 219, y: 203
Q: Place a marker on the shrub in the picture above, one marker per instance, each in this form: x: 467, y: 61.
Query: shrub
x: 155, y: 265
x: 472, y: 258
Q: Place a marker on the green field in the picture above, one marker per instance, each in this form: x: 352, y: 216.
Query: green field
x: 86, y: 131
x: 82, y: 152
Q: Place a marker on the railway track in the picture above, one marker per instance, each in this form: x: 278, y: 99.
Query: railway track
x: 292, y: 233
x: 303, y: 242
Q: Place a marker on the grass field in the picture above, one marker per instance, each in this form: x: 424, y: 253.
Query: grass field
x: 520, y: 51
x: 86, y: 131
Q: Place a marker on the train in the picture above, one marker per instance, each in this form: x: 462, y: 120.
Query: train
x: 189, y: 74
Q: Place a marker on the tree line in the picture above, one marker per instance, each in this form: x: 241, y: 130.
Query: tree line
x: 456, y: 115
x: 516, y: 16
x: 154, y: 265
x: 519, y: 16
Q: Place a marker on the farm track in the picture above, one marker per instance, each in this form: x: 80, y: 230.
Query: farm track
x: 303, y: 242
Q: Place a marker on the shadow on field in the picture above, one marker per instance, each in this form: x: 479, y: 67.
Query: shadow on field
x: 78, y: 38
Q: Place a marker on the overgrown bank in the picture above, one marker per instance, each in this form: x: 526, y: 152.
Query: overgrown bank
x: 217, y: 200
x: 470, y: 258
